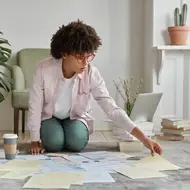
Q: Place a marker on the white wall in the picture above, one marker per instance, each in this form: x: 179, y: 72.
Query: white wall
x: 31, y: 24
x: 175, y: 75
x: 164, y: 17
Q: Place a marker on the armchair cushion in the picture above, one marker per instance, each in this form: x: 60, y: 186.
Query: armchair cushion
x: 18, y: 78
x: 20, y: 98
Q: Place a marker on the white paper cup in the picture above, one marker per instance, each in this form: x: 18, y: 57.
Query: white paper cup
x: 10, y: 146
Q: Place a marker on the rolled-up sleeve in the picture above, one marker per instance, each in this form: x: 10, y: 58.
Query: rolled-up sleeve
x: 108, y: 105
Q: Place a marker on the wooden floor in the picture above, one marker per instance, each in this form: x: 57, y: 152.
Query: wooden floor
x: 96, y: 137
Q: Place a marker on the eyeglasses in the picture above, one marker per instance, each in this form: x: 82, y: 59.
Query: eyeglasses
x: 84, y: 58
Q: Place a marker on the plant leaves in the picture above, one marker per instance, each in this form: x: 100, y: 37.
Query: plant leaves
x: 6, y: 54
x: 3, y: 59
x: 3, y: 41
x: 2, y: 98
x: 4, y: 85
x: 6, y: 77
x: 6, y: 49
x: 5, y: 65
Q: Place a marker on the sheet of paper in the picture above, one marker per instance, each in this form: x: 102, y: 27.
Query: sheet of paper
x: 122, y: 155
x: 21, y: 165
x: 64, y: 156
x: 104, y: 166
x: 98, y: 177
x: 3, y: 161
x: 17, y: 174
x: 49, y: 165
x: 41, y: 182
x: 32, y: 157
x: 157, y: 162
x: 102, y: 155
x: 55, y: 180
x: 2, y: 173
x: 79, y: 159
x: 140, y: 173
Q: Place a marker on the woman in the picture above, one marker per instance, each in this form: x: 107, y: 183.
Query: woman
x: 59, y: 112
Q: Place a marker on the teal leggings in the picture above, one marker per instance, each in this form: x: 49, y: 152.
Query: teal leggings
x: 57, y: 135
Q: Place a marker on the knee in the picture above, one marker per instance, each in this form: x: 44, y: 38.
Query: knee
x: 52, y: 143
x: 76, y: 136
x: 52, y: 137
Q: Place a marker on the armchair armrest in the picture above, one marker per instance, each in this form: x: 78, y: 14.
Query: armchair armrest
x: 18, y: 78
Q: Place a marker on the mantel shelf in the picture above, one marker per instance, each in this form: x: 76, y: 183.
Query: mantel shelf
x: 161, y: 54
x: 173, y: 47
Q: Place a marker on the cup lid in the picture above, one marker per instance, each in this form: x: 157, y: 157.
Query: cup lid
x: 10, y: 136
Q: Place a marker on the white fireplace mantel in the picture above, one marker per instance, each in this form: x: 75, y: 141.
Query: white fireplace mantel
x: 161, y: 55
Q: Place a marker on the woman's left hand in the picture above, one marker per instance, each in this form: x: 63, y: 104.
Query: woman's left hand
x: 152, y: 145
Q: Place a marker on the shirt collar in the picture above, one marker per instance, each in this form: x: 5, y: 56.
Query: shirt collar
x: 59, y: 63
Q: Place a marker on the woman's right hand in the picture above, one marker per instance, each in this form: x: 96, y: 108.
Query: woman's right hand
x: 35, y: 148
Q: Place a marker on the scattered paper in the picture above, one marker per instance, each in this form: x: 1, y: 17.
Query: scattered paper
x: 55, y: 180
x: 156, y: 162
x: 122, y: 155
x: 2, y: 173
x: 17, y: 174
x: 80, y: 159
x: 32, y: 157
x: 64, y: 156
x: 3, y: 161
x: 103, y: 155
x: 98, y: 177
x: 49, y: 165
x: 104, y: 166
x: 21, y: 165
x: 41, y: 182
x: 140, y: 173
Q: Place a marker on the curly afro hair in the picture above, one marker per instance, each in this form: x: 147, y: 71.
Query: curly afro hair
x: 75, y: 38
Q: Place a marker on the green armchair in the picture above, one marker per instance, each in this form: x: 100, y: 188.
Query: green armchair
x: 22, y: 74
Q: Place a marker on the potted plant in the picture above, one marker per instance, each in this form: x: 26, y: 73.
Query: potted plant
x: 5, y: 54
x: 178, y: 34
x: 128, y: 98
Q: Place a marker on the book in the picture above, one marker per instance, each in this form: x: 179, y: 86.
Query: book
x: 183, y: 127
x: 172, y: 131
x: 170, y: 137
x: 175, y: 121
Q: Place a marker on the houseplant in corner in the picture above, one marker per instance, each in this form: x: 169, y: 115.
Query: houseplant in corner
x: 178, y: 34
x: 126, y: 93
x: 5, y: 54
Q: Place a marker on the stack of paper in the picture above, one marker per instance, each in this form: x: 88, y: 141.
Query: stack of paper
x: 123, y: 135
x: 174, y: 128
x: 147, y: 128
